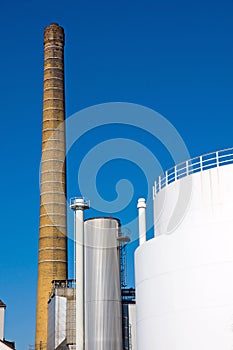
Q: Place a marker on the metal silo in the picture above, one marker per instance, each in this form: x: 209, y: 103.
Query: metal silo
x: 103, y: 320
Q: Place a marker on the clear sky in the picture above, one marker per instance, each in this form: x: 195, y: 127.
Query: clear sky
x: 172, y: 56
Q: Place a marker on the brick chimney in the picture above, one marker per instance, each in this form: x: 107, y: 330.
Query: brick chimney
x: 52, y: 255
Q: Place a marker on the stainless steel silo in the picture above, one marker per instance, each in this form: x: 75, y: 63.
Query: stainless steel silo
x: 103, y: 323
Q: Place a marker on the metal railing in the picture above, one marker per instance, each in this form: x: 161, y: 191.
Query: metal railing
x: 64, y: 283
x: 74, y: 200
x: 192, y: 166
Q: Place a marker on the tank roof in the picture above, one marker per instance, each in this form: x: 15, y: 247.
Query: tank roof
x: 104, y: 218
x: 2, y: 304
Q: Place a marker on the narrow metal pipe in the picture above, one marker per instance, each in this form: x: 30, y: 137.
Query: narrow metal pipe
x: 79, y: 205
x: 142, y: 220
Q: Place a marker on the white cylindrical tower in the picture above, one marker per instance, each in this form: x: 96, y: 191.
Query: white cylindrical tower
x: 184, y: 282
x: 79, y: 205
x: 103, y: 323
x: 142, y: 220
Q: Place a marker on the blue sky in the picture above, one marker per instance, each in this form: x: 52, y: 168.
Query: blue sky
x: 172, y: 56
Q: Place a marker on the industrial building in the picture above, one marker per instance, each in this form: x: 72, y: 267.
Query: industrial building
x: 4, y: 344
x: 61, y: 316
x: 184, y: 289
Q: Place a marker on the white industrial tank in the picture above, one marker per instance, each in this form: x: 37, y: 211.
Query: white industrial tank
x: 103, y: 323
x: 184, y: 283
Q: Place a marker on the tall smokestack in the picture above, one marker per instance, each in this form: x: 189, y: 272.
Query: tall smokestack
x: 52, y: 257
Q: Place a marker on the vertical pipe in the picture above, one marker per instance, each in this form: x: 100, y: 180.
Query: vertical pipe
x: 79, y: 205
x: 142, y: 220
x: 79, y: 272
x: 52, y: 255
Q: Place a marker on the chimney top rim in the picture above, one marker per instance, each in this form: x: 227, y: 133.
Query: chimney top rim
x: 53, y: 25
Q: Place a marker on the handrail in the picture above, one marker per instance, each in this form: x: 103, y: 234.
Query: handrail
x: 84, y: 201
x: 193, y: 165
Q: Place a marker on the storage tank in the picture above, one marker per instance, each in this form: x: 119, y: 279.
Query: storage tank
x: 184, y: 283
x: 103, y: 324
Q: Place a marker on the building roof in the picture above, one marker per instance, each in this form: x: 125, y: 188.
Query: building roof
x: 7, y: 345
x: 2, y: 304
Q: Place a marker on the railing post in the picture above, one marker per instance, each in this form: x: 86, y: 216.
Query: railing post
x: 201, y: 163
x: 166, y: 175
x: 187, y: 167
x: 175, y: 172
x: 154, y: 189
x: 217, y: 158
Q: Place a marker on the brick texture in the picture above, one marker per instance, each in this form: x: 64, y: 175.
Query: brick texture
x: 52, y: 256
